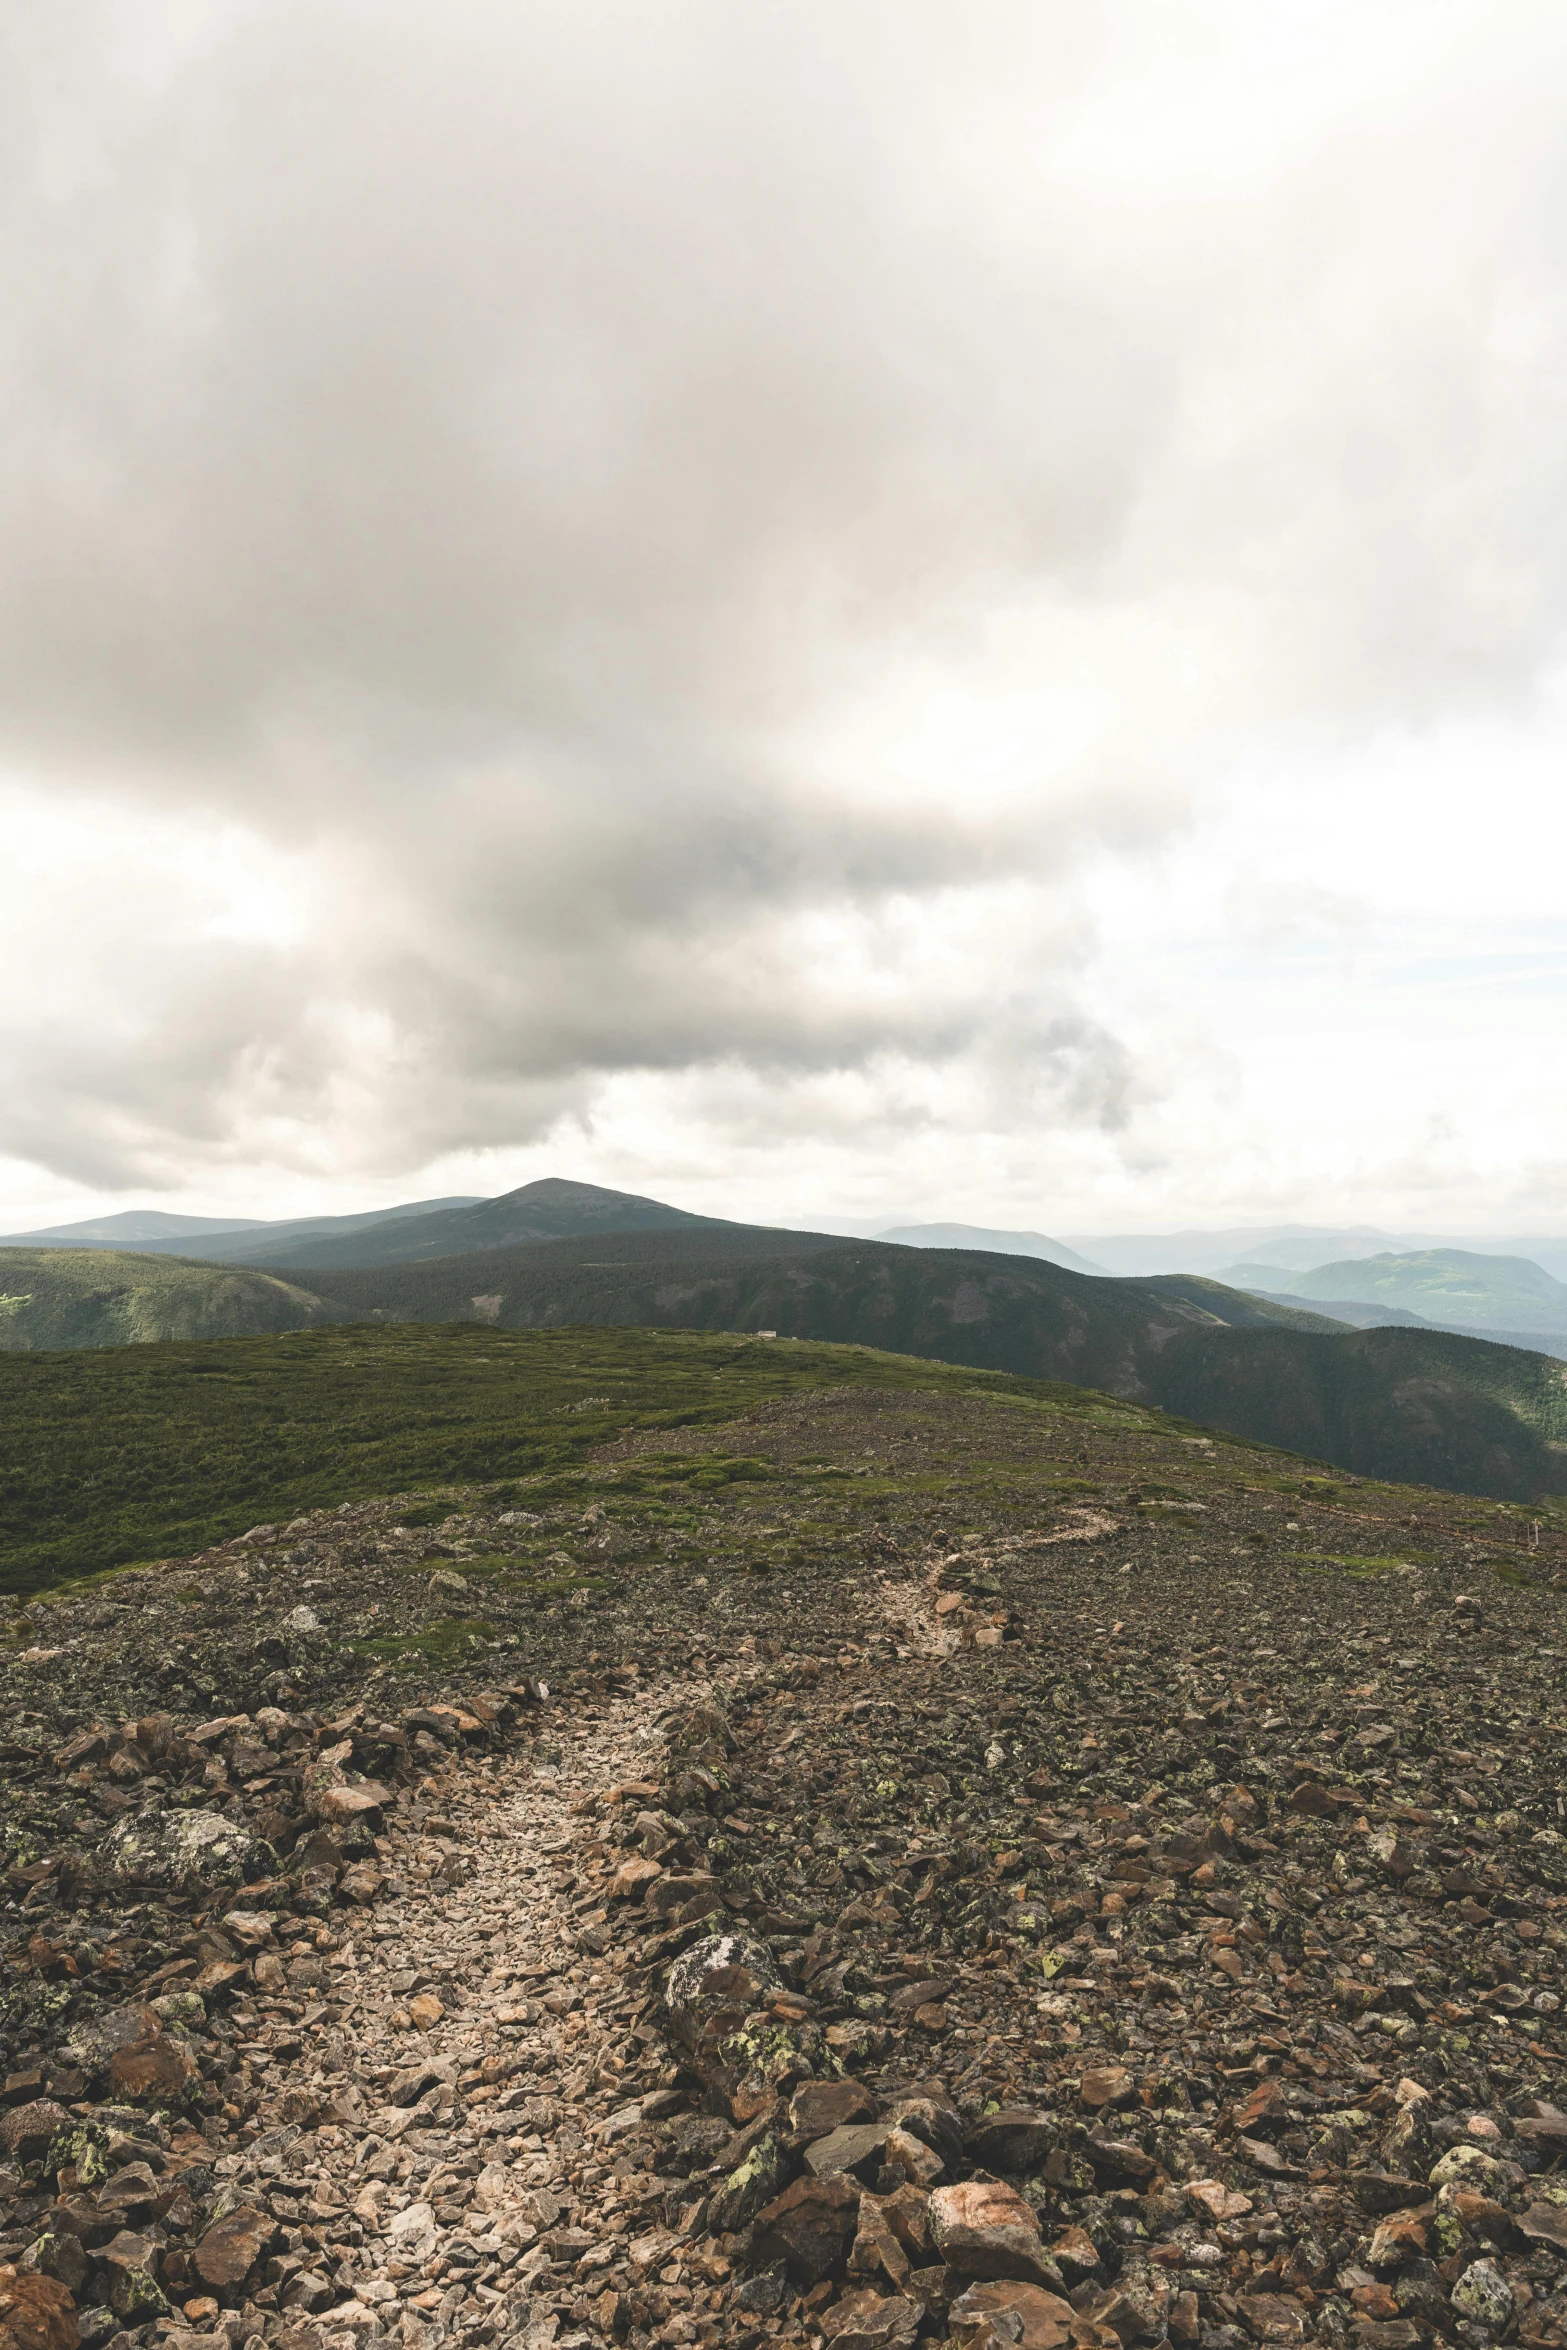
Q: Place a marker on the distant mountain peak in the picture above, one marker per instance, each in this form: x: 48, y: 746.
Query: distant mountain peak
x: 562, y: 1191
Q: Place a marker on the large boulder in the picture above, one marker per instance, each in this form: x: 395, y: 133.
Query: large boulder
x: 985, y: 2229
x: 36, y: 2313
x: 185, y: 1849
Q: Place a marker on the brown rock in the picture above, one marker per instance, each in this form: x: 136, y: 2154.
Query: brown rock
x: 1185, y: 2318
x: 36, y: 2313
x: 848, y: 2149
x: 1013, y: 2139
x: 989, y: 2316
x: 876, y: 2250
x: 1076, y: 2254
x: 987, y: 2230
x: 914, y: 1996
x: 1215, y: 2200
x: 221, y: 1975
x: 632, y: 1878
x: 154, y: 2069
x: 1399, y: 2237
x: 29, y: 2131
x: 911, y: 2159
x: 1270, y: 2317
x: 1107, y: 2084
x: 231, y: 2247
x: 1264, y: 2157
x: 426, y: 2010
x: 129, y: 2195
x: 676, y: 1889
x: 808, y: 2226
x: 1267, y: 2108
x: 932, y: 2122
x: 872, y: 2321
x: 1120, y: 2161
x: 352, y: 1803
x: 1544, y: 2223
x: 819, y: 2106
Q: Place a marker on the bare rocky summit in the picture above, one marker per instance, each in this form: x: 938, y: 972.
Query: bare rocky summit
x: 930, y: 1872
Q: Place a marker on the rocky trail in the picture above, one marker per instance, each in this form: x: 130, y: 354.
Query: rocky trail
x: 1059, y: 1913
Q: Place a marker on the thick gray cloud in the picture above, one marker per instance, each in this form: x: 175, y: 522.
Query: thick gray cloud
x: 668, y: 538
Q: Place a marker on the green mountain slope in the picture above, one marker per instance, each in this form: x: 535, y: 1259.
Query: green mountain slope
x: 971, y: 1306
x: 1461, y: 1413
x: 1447, y: 1285
x: 73, y: 1297
x: 1452, y: 1412
x: 549, y: 1210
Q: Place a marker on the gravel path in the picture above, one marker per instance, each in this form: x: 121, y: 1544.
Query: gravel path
x: 499, y: 2061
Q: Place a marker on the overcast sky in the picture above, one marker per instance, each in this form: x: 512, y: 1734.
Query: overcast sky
x: 822, y: 609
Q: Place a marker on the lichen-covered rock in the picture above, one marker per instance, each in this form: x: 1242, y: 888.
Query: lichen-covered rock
x: 182, y: 1849
x: 93, y: 2039
x: 58, y: 2254
x: 1471, y: 2166
x: 135, y: 2295
x: 765, y: 2172
x: 1483, y: 2293
x: 145, y: 2064
x: 722, y: 1971
x: 765, y: 2057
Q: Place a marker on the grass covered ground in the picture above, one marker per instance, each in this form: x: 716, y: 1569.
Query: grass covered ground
x: 134, y: 1453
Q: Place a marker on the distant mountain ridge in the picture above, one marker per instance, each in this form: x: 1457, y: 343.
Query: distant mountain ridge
x: 236, y: 1240
x: 1447, y: 1285
x: 1006, y: 1244
x: 1411, y: 1403
x: 1135, y: 1254
x: 551, y: 1209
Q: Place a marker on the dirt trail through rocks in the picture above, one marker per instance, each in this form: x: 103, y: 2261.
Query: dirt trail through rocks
x: 490, y: 2057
